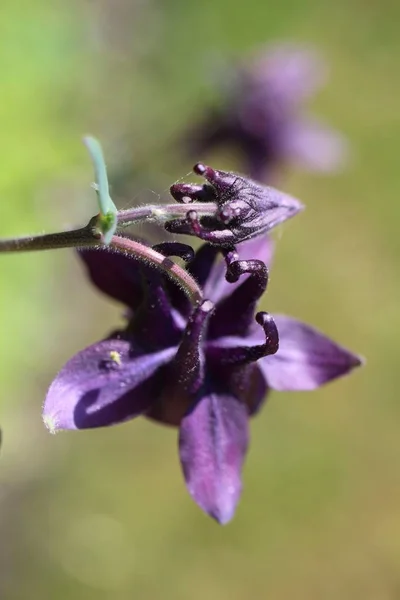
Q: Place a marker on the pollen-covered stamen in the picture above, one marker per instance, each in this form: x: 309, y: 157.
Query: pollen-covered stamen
x: 241, y: 303
x: 228, y: 351
x: 187, y: 366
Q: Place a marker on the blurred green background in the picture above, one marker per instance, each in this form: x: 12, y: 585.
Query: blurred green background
x: 104, y: 514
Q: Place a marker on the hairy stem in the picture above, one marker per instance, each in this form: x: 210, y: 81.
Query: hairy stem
x: 163, y: 212
x: 160, y: 262
x: 91, y: 233
x: 91, y: 236
x: 85, y: 236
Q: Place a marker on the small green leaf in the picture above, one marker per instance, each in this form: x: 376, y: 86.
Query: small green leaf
x: 108, y: 211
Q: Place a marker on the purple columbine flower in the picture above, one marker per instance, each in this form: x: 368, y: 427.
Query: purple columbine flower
x: 261, y: 115
x: 205, y: 370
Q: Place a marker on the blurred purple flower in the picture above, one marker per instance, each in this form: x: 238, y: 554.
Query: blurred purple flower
x: 205, y: 369
x: 260, y: 115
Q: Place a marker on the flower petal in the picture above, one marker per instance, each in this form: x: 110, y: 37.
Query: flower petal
x: 116, y: 275
x: 314, y: 146
x: 216, y: 287
x: 200, y: 268
x: 246, y: 382
x: 235, y: 313
x: 154, y: 325
x: 107, y: 383
x: 213, y: 441
x: 306, y: 358
x: 290, y: 73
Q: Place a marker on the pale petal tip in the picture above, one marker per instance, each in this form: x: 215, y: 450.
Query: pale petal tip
x: 225, y: 512
x: 52, y: 424
x: 357, y: 361
x: 221, y: 509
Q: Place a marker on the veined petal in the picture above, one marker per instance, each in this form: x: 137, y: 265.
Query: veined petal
x: 213, y: 441
x: 306, y: 358
x: 115, y: 274
x: 107, y: 383
x: 216, y: 287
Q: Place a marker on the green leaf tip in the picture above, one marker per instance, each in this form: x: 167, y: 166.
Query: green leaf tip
x: 107, y: 206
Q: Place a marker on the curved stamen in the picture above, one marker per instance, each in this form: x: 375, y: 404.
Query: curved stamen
x: 235, y: 312
x: 232, y: 354
x: 187, y: 366
x: 185, y: 193
x: 183, y: 251
x: 192, y: 226
x: 207, y: 172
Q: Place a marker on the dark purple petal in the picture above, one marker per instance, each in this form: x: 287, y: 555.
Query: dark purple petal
x: 211, y: 131
x: 306, y: 358
x: 154, y: 324
x: 224, y: 351
x: 216, y: 287
x: 314, y: 146
x: 235, y: 313
x: 115, y: 274
x: 200, y: 268
x: 246, y: 382
x: 213, y: 441
x: 107, y: 383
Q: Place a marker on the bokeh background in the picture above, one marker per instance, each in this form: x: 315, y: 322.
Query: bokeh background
x: 105, y: 514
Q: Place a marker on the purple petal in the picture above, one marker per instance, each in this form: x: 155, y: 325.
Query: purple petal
x: 216, y: 287
x: 235, y: 313
x: 107, y: 383
x: 116, y: 275
x: 155, y: 324
x: 213, y: 441
x: 306, y: 358
x: 289, y: 73
x: 314, y: 146
x: 246, y: 382
x: 200, y: 268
